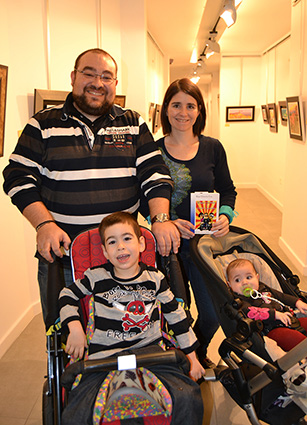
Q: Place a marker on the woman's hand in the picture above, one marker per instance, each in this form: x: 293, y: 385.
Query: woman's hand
x: 221, y: 227
x: 184, y: 228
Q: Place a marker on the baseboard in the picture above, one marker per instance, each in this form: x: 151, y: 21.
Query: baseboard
x: 15, y: 330
x: 273, y: 200
x: 300, y: 266
x: 246, y: 186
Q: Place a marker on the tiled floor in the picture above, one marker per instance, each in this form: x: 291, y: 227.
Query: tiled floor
x: 23, y: 367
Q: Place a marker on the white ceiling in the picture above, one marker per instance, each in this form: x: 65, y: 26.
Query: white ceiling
x: 178, y: 25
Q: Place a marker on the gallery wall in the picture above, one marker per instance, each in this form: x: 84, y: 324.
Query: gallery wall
x: 271, y: 161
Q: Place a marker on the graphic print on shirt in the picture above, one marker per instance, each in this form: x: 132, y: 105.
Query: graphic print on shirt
x: 182, y: 183
x: 131, y: 301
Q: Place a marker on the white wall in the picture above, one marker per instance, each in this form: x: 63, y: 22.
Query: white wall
x: 74, y: 27
x: 240, y: 83
x: 294, y: 228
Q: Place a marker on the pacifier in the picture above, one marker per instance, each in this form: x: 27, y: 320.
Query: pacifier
x: 247, y: 291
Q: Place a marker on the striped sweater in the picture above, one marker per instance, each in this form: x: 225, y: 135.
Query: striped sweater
x: 83, y: 170
x: 126, y: 311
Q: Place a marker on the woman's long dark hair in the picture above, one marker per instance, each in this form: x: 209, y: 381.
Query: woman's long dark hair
x: 186, y: 86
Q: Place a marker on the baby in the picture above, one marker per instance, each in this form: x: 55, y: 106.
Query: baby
x: 259, y: 302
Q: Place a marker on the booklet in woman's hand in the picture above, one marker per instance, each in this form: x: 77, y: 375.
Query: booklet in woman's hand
x: 204, y: 211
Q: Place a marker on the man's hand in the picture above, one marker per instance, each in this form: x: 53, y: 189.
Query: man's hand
x: 185, y: 227
x: 51, y: 237
x: 167, y: 236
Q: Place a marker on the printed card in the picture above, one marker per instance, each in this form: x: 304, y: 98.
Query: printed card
x: 204, y: 211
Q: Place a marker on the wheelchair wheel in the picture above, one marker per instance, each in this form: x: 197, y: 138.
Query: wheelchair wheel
x: 48, y: 411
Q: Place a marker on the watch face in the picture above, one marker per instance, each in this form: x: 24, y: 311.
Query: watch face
x: 160, y: 218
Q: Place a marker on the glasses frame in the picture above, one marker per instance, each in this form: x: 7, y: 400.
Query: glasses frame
x: 95, y: 75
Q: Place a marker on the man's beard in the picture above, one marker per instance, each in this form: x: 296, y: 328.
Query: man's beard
x: 82, y: 103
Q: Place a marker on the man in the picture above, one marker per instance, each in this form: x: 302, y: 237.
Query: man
x: 78, y: 162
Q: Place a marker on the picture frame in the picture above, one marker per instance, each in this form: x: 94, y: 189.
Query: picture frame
x: 240, y: 113
x: 151, y: 113
x: 296, y: 123
x: 264, y: 111
x: 47, y: 98
x: 272, y: 116
x: 120, y: 100
x: 157, y: 119
x: 3, y: 92
x: 283, y: 112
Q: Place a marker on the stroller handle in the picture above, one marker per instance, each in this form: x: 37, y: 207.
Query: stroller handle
x: 171, y: 356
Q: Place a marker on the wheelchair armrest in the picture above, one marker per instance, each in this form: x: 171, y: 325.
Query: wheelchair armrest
x: 172, y: 356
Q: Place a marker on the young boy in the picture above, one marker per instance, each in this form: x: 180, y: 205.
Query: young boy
x: 262, y: 303
x: 126, y: 293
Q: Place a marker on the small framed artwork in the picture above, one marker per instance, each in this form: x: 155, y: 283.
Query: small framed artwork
x: 157, y: 119
x: 240, y: 113
x: 47, y: 98
x: 3, y: 88
x: 151, y: 113
x: 283, y: 112
x: 272, y: 117
x: 264, y: 110
x: 120, y: 100
x: 296, y: 122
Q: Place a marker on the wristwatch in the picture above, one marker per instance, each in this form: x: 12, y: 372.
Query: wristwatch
x: 160, y: 218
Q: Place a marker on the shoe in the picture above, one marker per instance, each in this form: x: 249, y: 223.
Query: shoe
x: 207, y: 363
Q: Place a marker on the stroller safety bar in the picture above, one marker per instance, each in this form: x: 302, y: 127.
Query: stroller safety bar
x: 284, y: 363
x: 172, y: 356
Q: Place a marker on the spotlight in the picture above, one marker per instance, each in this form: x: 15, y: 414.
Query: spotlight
x: 229, y: 13
x: 212, y: 47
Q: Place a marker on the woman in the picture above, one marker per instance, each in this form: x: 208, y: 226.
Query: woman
x: 196, y: 163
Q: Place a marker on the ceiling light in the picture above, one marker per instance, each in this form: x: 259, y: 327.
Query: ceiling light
x: 229, y: 13
x: 195, y: 78
x: 212, y: 47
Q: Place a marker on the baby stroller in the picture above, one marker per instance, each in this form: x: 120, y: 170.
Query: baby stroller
x: 147, y: 397
x: 252, y: 378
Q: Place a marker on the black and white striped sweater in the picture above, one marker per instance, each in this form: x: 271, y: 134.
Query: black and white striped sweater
x: 126, y: 311
x: 83, y: 170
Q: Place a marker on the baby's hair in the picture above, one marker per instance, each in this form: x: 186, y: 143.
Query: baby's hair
x: 115, y: 218
x: 238, y: 263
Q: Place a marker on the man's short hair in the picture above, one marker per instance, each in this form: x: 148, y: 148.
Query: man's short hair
x: 115, y: 218
x: 98, y: 51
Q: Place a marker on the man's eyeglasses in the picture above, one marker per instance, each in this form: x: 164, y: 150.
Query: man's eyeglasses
x: 90, y: 76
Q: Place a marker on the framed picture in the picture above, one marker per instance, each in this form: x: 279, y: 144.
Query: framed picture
x: 240, y: 113
x: 151, y: 113
x: 120, y: 100
x: 272, y: 117
x: 157, y: 119
x: 47, y: 98
x: 296, y: 122
x: 283, y: 112
x: 3, y: 88
x: 264, y: 110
